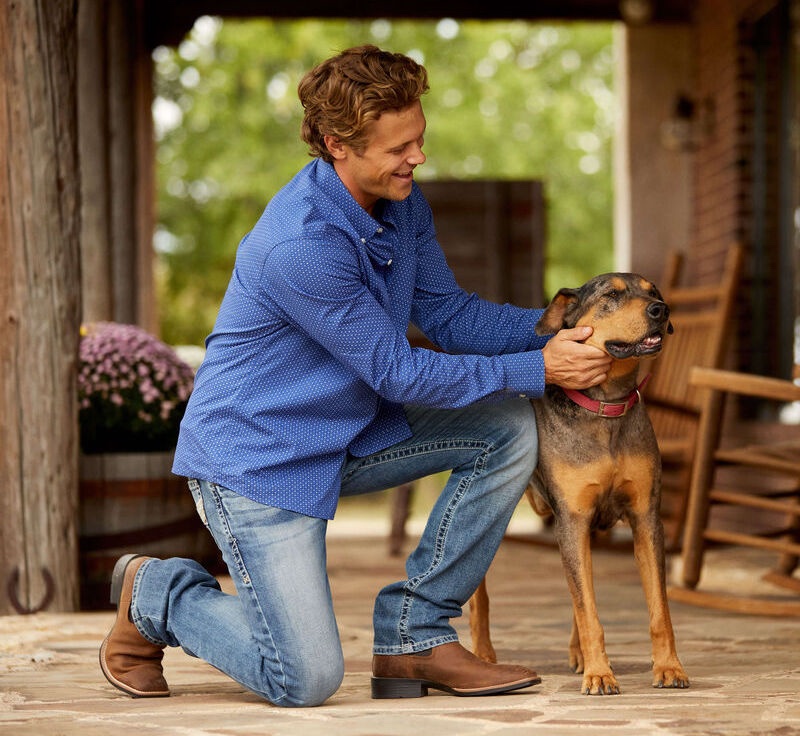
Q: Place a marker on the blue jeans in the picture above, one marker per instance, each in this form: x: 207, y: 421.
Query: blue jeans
x: 278, y: 637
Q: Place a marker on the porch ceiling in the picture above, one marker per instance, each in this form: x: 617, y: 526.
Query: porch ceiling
x: 167, y: 21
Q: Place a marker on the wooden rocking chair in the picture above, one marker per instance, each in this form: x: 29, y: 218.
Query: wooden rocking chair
x: 759, y: 479
x: 701, y: 318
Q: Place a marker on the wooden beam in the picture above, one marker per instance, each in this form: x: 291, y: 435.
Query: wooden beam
x: 168, y: 22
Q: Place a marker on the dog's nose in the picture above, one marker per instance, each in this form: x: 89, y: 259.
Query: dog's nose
x: 658, y: 311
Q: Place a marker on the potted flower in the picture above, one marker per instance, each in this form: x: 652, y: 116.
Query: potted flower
x: 132, y: 394
x: 132, y: 390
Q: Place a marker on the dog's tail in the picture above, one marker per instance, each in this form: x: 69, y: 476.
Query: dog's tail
x: 535, y: 497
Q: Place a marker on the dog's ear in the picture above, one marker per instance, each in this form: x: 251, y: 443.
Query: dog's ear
x: 554, y: 317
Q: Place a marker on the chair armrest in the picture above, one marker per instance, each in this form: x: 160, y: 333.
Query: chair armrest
x: 763, y: 387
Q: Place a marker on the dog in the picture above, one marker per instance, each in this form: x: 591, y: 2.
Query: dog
x: 599, y: 463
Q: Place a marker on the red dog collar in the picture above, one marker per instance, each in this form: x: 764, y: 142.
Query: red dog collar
x: 608, y: 408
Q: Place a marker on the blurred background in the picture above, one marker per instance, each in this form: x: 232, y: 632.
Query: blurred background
x: 509, y: 100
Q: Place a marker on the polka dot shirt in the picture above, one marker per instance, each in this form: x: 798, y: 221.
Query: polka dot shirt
x: 309, y: 358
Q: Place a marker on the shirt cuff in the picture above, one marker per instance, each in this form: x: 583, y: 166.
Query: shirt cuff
x: 525, y: 374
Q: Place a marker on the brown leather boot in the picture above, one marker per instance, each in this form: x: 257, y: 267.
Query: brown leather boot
x: 128, y: 660
x: 448, y: 667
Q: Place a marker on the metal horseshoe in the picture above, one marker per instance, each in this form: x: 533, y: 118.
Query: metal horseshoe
x: 13, y: 582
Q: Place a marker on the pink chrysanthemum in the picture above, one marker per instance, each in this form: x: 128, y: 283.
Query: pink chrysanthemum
x: 132, y: 390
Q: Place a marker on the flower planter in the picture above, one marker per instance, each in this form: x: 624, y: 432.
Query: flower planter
x: 130, y: 502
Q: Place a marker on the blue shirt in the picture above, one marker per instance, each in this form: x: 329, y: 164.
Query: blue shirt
x: 309, y: 359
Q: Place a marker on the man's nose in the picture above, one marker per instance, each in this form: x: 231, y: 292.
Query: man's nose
x: 416, y: 156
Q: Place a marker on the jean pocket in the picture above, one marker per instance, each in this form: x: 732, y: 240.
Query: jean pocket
x: 197, y: 495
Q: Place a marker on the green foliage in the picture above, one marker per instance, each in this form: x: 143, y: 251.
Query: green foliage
x: 508, y: 100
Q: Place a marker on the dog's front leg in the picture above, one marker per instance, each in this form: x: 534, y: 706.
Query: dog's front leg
x: 648, y: 538
x: 587, y: 642
x: 479, y: 624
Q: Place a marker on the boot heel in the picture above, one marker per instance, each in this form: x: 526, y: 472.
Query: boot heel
x: 118, y: 575
x: 398, y: 687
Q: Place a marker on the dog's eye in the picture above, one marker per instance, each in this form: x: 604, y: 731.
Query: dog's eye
x: 613, y: 294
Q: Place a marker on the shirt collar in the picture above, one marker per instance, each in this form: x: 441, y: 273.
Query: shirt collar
x: 371, y: 233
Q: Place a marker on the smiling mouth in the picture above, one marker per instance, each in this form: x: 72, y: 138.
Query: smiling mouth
x: 649, y: 346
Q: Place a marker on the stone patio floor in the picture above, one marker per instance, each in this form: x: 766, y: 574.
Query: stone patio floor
x: 744, y: 670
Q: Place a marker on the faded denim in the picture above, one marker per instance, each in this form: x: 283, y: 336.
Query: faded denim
x: 278, y: 637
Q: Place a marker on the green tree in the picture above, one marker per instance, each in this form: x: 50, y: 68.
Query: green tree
x: 508, y: 100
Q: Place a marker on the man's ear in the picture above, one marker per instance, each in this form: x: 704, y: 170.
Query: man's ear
x: 335, y: 146
x: 554, y: 316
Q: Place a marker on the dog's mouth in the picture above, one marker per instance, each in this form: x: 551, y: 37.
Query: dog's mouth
x: 649, y: 346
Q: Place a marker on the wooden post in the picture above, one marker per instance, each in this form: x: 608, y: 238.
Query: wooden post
x: 39, y: 306
x: 122, y: 156
x: 117, y: 164
x: 96, y: 191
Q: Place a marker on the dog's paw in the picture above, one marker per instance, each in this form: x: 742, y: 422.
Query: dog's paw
x: 599, y: 685
x: 670, y: 676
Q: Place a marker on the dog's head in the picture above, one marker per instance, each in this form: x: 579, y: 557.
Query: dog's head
x: 627, y: 312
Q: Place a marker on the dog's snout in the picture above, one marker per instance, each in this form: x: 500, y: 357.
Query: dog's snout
x: 658, y: 311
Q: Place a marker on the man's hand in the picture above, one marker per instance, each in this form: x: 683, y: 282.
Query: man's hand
x: 571, y: 364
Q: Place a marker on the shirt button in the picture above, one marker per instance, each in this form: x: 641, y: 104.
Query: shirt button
x: 389, y: 262
x: 379, y: 230
x: 363, y: 240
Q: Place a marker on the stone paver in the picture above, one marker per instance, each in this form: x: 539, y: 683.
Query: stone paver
x: 744, y: 670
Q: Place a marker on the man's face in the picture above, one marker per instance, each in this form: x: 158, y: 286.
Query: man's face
x: 384, y: 168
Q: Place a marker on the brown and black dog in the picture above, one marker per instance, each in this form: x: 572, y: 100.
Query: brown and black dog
x: 598, y: 463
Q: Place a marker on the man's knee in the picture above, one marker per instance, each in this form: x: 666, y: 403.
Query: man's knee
x: 313, y: 686
x: 519, y: 445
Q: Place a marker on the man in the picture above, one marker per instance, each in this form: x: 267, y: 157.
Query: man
x: 310, y: 390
